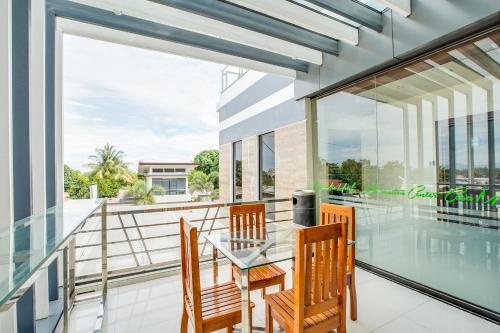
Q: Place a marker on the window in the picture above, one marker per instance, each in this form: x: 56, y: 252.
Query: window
x: 168, y: 170
x: 157, y: 170
x: 173, y: 186
x: 267, y: 166
x: 180, y: 170
x: 237, y: 171
x: 416, y: 151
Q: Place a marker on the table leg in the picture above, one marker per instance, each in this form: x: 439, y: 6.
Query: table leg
x: 215, y: 264
x: 245, y: 302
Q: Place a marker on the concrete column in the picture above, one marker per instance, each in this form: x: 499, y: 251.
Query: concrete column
x: 291, y: 154
x: 8, y: 318
x: 225, y: 173
x: 37, y: 144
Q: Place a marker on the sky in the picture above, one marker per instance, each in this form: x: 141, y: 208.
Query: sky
x: 152, y: 106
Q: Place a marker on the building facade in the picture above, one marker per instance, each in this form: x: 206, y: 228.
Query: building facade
x: 172, y: 177
x: 403, y: 126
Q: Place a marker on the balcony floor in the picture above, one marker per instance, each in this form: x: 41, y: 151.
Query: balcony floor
x: 383, y: 307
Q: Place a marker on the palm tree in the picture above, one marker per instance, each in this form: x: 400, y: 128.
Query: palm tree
x: 107, y: 162
x: 142, y: 195
x: 200, y: 182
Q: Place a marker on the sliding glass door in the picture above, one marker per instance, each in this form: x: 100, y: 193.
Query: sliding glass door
x: 417, y: 151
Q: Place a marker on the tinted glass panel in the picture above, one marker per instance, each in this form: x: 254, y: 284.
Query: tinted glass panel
x: 416, y: 151
x: 237, y: 171
x: 267, y: 165
x: 172, y: 186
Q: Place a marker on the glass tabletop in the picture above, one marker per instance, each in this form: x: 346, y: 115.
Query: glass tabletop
x: 276, y: 243
x: 28, y: 243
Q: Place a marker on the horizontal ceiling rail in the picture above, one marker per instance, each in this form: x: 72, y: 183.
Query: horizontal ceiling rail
x: 105, y: 18
x: 304, y: 17
x: 354, y: 11
x: 251, y: 20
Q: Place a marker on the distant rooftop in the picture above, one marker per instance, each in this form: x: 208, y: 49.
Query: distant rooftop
x: 165, y: 167
x: 167, y: 163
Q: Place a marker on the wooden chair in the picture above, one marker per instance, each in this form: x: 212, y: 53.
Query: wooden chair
x: 208, y: 309
x: 250, y: 221
x: 330, y: 213
x: 317, y: 301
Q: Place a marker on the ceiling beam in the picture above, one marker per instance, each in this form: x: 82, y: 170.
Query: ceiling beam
x: 301, y: 16
x: 402, y: 7
x: 354, y: 11
x: 105, y: 18
x: 87, y: 30
x: 174, y: 17
x: 251, y: 20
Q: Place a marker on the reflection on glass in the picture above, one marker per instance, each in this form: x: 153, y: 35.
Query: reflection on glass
x: 237, y: 171
x: 413, y: 150
x: 172, y: 186
x: 267, y: 165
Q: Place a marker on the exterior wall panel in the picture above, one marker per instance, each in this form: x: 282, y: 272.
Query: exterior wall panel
x: 291, y: 159
x: 250, y: 156
x: 225, y: 170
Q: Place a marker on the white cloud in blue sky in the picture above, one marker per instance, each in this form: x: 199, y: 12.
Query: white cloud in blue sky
x: 151, y: 105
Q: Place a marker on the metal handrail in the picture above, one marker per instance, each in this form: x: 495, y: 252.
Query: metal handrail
x: 229, y: 75
x: 136, y: 237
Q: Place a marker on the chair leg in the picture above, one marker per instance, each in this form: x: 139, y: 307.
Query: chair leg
x: 282, y: 285
x: 184, y: 321
x: 229, y: 329
x: 263, y: 292
x: 269, y: 319
x: 353, y: 300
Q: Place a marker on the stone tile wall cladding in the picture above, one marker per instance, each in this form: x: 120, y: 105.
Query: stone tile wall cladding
x: 291, y: 165
x: 225, y: 169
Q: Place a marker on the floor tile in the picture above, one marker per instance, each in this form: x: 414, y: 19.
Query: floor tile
x: 443, y: 318
x: 383, y: 307
x: 402, y: 325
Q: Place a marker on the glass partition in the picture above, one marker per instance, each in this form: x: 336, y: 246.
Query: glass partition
x: 267, y: 166
x: 417, y: 151
x: 237, y: 172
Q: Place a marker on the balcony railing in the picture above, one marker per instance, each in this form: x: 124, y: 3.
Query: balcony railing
x: 144, y: 240
x: 229, y: 75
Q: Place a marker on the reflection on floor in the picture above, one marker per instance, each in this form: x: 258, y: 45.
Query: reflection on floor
x: 383, y: 306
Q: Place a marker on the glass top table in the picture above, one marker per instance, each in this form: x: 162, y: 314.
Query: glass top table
x: 246, y: 250
x: 28, y: 244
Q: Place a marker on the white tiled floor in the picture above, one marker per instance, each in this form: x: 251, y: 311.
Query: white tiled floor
x: 383, y: 307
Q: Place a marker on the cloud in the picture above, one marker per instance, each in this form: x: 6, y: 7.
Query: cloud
x: 149, y: 104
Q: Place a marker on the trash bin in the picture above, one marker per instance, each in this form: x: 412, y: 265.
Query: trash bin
x: 304, y: 202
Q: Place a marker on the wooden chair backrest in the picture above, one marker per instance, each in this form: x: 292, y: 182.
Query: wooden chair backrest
x: 331, y: 213
x: 191, y: 268
x: 248, y: 220
x: 320, y: 269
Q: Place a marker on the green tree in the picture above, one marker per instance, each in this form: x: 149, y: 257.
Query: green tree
x: 76, y: 184
x: 142, y: 195
x: 200, y: 182
x: 207, y: 160
x: 214, y: 178
x: 108, y: 187
x: 108, y: 163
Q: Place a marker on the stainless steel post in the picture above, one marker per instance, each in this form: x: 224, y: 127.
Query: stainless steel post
x: 104, y: 250
x: 65, y: 291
